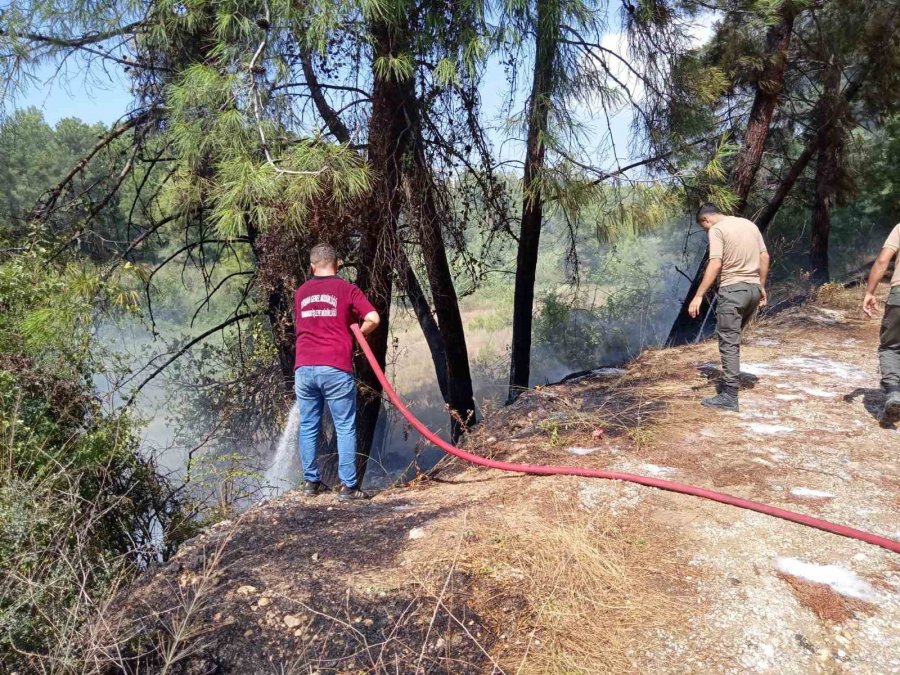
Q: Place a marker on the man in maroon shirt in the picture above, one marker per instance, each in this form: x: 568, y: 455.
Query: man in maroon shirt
x: 324, y: 309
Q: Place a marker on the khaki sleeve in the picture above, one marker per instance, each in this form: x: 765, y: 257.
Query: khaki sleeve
x: 761, y: 242
x: 716, y: 243
x: 893, y: 240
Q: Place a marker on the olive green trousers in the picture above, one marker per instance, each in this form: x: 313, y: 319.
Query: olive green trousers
x: 736, y: 305
x: 889, y: 346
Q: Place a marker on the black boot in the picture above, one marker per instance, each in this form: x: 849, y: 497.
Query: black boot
x: 311, y: 488
x: 891, y: 414
x: 726, y: 399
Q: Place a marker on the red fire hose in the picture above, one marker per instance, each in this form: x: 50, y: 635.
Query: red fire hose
x: 538, y: 470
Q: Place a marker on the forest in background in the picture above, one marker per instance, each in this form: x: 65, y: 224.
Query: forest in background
x: 259, y: 128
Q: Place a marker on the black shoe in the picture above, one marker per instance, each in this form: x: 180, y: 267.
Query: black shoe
x: 727, y: 399
x: 311, y: 488
x: 891, y: 414
x: 348, y: 494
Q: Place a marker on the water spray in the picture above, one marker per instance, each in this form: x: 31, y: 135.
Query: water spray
x: 671, y: 486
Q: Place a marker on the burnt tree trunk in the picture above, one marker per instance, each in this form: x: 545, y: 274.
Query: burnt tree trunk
x: 279, y: 301
x: 546, y: 44
x: 826, y: 181
x: 451, y: 364
x: 799, y: 166
x: 389, y: 140
x: 746, y: 166
x: 459, y: 395
x: 422, y: 310
x: 821, y: 217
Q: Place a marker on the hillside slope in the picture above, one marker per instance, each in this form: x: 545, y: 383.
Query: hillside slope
x: 473, y: 571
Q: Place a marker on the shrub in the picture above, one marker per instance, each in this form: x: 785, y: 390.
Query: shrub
x: 81, y: 509
x: 566, y: 333
x: 80, y: 512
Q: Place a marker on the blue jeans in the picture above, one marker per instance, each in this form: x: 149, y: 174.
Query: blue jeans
x: 314, y: 386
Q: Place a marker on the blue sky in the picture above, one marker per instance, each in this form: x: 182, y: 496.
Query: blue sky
x: 102, y: 98
x: 105, y: 97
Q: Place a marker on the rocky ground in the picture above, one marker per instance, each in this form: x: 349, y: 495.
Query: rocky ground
x: 478, y: 571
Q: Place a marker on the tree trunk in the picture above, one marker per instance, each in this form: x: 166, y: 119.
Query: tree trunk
x: 746, y: 166
x: 460, y: 396
x: 546, y: 45
x: 768, y: 89
x: 446, y: 337
x: 429, y: 326
x: 826, y: 175
x: 389, y: 139
x: 821, y: 218
x: 279, y: 306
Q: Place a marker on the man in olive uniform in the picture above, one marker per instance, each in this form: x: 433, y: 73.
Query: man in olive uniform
x: 738, y: 259
x: 889, y: 347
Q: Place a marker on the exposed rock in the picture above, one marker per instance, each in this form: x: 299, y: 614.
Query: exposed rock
x: 292, y: 621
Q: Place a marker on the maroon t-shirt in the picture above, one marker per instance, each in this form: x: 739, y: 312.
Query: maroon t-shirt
x: 324, y: 308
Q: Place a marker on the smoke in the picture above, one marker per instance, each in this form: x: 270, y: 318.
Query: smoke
x: 626, y: 301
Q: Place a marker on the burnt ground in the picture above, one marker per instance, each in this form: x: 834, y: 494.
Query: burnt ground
x: 475, y: 571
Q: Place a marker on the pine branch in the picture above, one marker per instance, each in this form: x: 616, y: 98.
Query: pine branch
x: 46, y: 203
x: 78, y: 42
x: 181, y: 352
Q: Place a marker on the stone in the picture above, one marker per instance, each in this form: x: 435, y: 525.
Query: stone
x: 417, y: 533
x: 263, y: 602
x: 292, y: 621
x: 246, y: 590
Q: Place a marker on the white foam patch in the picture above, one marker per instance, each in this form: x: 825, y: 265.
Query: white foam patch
x: 581, y: 451
x: 761, y: 369
x: 760, y: 460
x: 769, y: 429
x: 657, y: 471
x: 818, y: 393
x: 824, y: 366
x: 839, y: 579
x: 778, y: 454
x: 788, y: 397
x: 767, y: 342
x: 811, y: 494
x: 759, y: 415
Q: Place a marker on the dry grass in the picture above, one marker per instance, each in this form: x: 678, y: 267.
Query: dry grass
x: 572, y: 591
x: 835, y: 296
x: 824, y: 602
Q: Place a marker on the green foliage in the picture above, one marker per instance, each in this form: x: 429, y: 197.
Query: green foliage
x: 36, y: 157
x: 80, y: 508
x: 566, y: 332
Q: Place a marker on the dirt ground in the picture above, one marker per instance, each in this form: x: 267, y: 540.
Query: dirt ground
x: 475, y: 571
